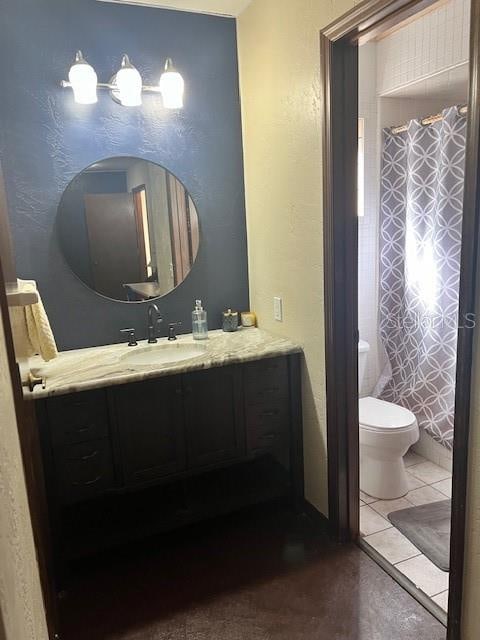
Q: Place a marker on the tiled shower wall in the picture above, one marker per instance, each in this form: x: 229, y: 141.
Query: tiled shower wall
x: 393, y: 62
x: 437, y: 41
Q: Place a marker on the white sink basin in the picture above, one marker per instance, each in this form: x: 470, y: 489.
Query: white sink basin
x: 156, y: 354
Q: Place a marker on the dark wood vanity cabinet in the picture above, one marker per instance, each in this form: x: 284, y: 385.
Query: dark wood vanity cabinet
x: 213, y: 405
x: 267, y: 404
x: 148, y: 419
x: 212, y: 440
x: 80, y: 454
x: 168, y: 425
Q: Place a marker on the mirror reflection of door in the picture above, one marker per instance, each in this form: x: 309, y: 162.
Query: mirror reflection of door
x: 113, y: 242
x: 128, y: 229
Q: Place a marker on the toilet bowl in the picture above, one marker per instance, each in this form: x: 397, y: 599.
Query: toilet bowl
x: 387, y: 431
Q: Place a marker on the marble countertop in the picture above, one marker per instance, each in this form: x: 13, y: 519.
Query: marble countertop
x: 95, y: 367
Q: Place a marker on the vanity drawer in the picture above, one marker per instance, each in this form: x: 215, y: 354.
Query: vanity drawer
x: 267, y: 426
x: 266, y: 381
x: 83, y: 470
x: 78, y: 418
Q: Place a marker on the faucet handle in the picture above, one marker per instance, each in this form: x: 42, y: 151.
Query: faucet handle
x: 172, y: 327
x: 152, y: 330
x: 132, y: 342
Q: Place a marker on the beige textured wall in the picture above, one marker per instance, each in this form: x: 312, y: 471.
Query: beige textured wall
x: 21, y: 604
x: 279, y: 59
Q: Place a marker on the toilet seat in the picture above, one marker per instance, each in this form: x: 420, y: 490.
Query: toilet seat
x: 386, y: 417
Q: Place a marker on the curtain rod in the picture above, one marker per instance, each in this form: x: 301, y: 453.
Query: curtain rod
x: 426, y: 121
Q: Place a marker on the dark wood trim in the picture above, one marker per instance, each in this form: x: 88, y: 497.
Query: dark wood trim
x: 367, y: 19
x: 340, y: 77
x: 339, y: 42
x: 33, y: 470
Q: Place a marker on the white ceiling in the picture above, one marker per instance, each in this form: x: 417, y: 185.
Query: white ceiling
x: 231, y: 8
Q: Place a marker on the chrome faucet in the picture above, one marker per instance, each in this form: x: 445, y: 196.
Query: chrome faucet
x: 152, y: 323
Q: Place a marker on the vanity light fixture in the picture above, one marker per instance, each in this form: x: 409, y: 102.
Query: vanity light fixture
x: 171, y: 87
x: 126, y: 86
x: 83, y: 80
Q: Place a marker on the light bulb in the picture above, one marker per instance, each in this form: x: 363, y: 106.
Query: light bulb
x: 128, y: 83
x: 83, y: 80
x: 171, y: 87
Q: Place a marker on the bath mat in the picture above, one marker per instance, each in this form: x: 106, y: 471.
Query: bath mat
x: 428, y: 528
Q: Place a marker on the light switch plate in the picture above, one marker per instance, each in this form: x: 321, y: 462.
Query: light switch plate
x: 277, y: 309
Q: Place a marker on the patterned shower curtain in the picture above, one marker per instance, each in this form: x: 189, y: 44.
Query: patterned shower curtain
x: 420, y: 242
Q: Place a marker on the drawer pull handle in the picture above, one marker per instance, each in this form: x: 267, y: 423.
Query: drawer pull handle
x: 85, y: 428
x: 270, y: 390
x: 268, y: 436
x: 274, y: 412
x: 87, y: 456
x: 88, y: 482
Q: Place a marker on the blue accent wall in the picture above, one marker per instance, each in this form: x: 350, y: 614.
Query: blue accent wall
x: 46, y: 139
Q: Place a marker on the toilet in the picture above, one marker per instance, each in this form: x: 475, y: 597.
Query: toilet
x: 387, y: 431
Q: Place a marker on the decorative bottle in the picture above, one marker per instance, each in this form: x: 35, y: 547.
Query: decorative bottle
x: 199, y: 322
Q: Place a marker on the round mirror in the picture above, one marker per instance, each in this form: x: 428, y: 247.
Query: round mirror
x: 128, y: 229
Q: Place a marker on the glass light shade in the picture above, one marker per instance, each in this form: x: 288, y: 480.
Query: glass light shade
x: 83, y: 80
x: 171, y: 87
x: 128, y: 83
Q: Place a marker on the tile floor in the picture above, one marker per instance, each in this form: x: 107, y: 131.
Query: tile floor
x: 428, y: 483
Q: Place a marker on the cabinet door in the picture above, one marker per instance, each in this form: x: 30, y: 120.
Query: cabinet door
x: 150, y: 427
x: 214, y: 416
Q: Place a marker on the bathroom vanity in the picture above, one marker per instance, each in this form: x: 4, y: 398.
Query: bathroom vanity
x: 135, y: 444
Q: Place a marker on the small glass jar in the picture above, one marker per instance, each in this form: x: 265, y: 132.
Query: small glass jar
x: 230, y: 320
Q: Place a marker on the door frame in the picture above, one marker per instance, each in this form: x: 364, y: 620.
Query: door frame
x: 339, y: 75
x: 28, y: 435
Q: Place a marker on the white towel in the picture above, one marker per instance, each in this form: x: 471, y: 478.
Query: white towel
x: 32, y: 333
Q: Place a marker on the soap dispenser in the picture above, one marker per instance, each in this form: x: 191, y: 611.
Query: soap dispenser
x: 199, y: 322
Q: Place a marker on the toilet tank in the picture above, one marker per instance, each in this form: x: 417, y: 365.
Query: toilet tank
x: 363, y: 349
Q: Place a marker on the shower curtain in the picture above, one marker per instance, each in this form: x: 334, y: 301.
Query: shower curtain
x: 420, y: 242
